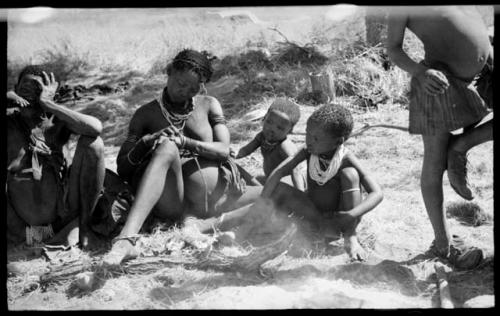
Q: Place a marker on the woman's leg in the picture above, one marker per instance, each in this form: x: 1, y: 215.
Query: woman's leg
x: 150, y: 193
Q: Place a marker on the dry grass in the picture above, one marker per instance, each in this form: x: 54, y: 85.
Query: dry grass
x: 313, y: 274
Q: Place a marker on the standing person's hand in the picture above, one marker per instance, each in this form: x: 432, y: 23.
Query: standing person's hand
x: 433, y: 81
x: 49, y: 87
x: 233, y: 153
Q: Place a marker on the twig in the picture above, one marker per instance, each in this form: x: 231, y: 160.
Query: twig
x: 287, y: 40
x: 365, y: 128
x: 366, y: 51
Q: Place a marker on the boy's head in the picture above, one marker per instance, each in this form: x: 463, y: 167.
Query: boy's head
x: 280, y: 119
x: 27, y: 87
x: 186, y: 73
x: 327, y: 128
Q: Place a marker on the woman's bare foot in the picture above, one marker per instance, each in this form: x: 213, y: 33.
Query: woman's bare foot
x: 354, y: 249
x: 123, y: 249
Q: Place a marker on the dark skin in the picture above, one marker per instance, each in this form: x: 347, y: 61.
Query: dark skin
x: 276, y: 127
x: 169, y: 186
x: 335, y: 198
x: 457, y: 38
x: 33, y: 202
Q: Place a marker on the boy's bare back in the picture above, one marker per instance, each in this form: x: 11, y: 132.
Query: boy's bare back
x: 453, y: 35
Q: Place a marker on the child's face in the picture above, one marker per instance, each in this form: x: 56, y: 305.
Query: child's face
x: 276, y: 126
x: 183, y: 85
x: 320, y: 142
x: 29, y: 89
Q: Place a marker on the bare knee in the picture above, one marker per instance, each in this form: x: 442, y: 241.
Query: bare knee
x: 166, y: 152
x: 349, y: 177
x: 93, y: 145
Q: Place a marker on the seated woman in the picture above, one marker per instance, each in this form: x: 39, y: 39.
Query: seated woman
x: 176, y: 156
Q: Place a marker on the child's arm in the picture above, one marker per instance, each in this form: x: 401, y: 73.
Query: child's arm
x: 375, y: 194
x: 11, y: 95
x: 289, y: 149
x: 248, y: 148
x: 283, y: 169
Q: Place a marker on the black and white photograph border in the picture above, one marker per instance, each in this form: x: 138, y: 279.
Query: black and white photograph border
x: 105, y: 65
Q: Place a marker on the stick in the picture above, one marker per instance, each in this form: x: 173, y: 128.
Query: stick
x: 443, y: 287
x: 365, y: 128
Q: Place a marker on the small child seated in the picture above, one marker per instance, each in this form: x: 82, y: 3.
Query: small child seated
x: 274, y: 145
x: 333, y: 200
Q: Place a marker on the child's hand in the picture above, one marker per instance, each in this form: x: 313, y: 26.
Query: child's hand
x: 433, y: 81
x: 17, y: 99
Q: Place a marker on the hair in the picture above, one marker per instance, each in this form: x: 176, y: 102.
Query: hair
x: 334, y: 119
x: 199, y: 62
x: 288, y: 107
x: 36, y: 70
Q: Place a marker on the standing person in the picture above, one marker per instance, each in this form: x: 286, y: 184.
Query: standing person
x: 176, y: 156
x: 275, y: 147
x: 333, y: 199
x: 44, y: 194
x: 444, y: 99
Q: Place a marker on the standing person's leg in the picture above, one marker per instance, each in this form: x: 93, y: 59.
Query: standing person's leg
x: 457, y: 156
x: 431, y: 184
x: 435, y: 156
x: 152, y: 191
x: 86, y: 180
x: 351, y: 197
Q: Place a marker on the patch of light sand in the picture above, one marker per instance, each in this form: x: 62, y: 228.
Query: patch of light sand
x: 311, y: 292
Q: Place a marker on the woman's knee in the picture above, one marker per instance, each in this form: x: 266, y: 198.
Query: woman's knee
x: 167, y: 152
x: 349, y: 177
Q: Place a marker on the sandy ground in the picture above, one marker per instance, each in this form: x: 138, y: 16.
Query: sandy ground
x: 312, y: 274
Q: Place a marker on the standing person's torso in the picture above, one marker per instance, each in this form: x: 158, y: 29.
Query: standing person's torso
x: 454, y: 36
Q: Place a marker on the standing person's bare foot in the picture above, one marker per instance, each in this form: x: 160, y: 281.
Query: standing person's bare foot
x: 458, y: 254
x: 457, y: 173
x: 354, y: 249
x: 124, y: 248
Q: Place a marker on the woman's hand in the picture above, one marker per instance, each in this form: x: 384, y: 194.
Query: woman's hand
x: 151, y: 139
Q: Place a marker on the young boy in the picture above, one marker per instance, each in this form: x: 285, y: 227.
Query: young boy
x: 334, y: 179
x: 444, y: 99
x: 274, y: 145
